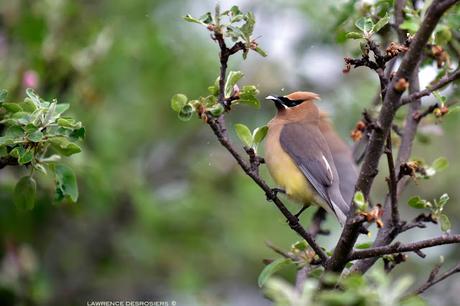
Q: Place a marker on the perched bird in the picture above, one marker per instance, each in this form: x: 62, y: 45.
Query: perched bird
x: 298, y: 156
x: 342, y: 156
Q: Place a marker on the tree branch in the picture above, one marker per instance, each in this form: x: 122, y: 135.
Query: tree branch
x: 426, y: 92
x: 392, y: 184
x: 433, y: 280
x: 390, y: 105
x: 397, y: 247
x: 292, y: 220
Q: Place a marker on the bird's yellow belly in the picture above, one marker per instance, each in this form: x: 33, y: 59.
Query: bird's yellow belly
x: 286, y: 174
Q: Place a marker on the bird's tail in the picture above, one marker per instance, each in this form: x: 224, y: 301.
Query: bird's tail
x: 339, y: 206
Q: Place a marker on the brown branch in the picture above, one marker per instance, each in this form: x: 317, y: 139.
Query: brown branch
x: 427, y: 91
x: 398, y: 247
x: 390, y: 105
x: 293, y: 221
x: 433, y: 280
x: 392, y: 184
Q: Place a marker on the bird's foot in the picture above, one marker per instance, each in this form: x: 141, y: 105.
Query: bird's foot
x: 274, y: 193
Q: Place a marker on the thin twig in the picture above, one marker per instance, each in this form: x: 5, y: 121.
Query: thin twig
x: 433, y: 280
x: 438, y: 85
x: 398, y: 247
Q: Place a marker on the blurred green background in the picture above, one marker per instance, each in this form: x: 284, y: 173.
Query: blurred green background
x: 164, y: 213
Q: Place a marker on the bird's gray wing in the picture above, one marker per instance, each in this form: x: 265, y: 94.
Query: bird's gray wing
x: 305, y: 144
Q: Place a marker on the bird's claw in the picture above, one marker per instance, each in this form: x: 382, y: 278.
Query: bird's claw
x: 274, y: 193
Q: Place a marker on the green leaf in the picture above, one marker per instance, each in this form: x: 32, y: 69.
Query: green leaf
x: 33, y: 97
x: 216, y: 110
x: 381, y: 23
x: 232, y: 78
x: 65, y: 146
x: 259, y: 134
x: 440, y: 164
x: 354, y: 35
x: 360, y: 201
x: 260, y: 51
x: 410, y: 26
x: 15, y: 132
x: 443, y: 35
x: 35, y: 136
x: 28, y: 105
x: 186, y: 112
x: 24, y: 193
x: 248, y: 27
x: 206, y: 18
x: 12, y: 107
x: 189, y: 18
x: 443, y: 200
x: 300, y: 245
x: 417, y: 202
x: 61, y: 108
x: 364, y: 24
x: 442, y: 99
x: 270, y: 269
x: 444, y: 222
x: 26, y: 157
x: 78, y: 134
x: 364, y: 245
x: 66, y: 183
x: 178, y: 101
x: 244, y: 134
x: 248, y: 96
x: 3, y: 95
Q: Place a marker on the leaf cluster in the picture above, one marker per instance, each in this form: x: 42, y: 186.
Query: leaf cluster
x: 36, y: 134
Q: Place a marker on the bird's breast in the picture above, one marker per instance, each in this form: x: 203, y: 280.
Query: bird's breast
x: 283, y: 169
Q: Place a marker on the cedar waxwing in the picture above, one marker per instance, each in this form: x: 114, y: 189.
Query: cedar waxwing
x: 342, y: 156
x: 298, y: 156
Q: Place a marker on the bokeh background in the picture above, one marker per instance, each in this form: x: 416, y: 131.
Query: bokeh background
x: 164, y: 213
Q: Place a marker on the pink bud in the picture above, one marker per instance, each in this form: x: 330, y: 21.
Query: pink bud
x: 30, y: 79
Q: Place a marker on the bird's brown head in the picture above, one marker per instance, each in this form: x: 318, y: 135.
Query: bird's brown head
x: 292, y: 100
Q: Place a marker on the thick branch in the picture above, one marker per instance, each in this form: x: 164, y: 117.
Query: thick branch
x: 401, y: 248
x: 377, y: 141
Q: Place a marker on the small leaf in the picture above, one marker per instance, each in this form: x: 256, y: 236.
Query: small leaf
x: 360, y: 201
x: 270, y: 269
x: 33, y: 97
x: 178, y: 101
x: 364, y: 24
x: 232, y: 78
x: 24, y: 193
x: 417, y: 202
x: 28, y: 105
x: 35, y: 136
x: 189, y: 18
x: 410, y: 26
x: 186, y: 112
x: 259, y: 134
x: 15, y: 132
x: 65, y: 146
x: 244, y: 134
x: 26, y: 157
x: 248, y: 96
x: 12, y: 107
x: 364, y: 245
x: 66, y: 183
x: 440, y: 164
x: 61, y: 108
x: 381, y: 23
x: 443, y: 200
x: 300, y: 245
x: 216, y: 110
x: 260, y: 51
x: 354, y: 35
x: 445, y: 223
